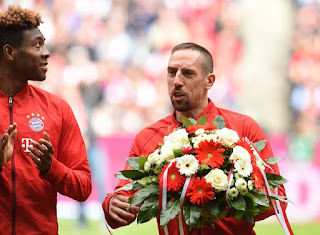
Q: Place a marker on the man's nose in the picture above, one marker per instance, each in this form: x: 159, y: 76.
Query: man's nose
x: 46, y: 53
x: 178, y: 80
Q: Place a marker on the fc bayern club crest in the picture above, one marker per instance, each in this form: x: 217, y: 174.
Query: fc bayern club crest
x: 35, y: 122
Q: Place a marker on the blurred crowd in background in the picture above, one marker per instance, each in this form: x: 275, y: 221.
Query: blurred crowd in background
x: 109, y: 59
x: 303, y: 75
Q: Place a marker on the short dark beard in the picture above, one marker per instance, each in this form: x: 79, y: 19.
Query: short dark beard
x: 183, y: 107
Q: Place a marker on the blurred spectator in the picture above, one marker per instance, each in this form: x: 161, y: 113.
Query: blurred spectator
x: 304, y: 70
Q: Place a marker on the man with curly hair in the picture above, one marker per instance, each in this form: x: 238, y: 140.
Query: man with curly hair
x: 42, y: 151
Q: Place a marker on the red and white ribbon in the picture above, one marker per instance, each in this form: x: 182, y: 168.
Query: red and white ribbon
x: 280, y: 213
x: 182, y: 197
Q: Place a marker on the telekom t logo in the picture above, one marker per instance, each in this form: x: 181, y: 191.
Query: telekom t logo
x: 26, y: 142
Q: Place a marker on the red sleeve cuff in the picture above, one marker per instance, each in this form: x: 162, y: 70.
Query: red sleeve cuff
x: 55, y: 173
x: 105, y: 207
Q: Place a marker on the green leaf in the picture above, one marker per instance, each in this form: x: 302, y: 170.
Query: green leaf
x: 260, y: 199
x: 280, y: 198
x: 141, y: 196
x: 133, y: 162
x: 137, y: 186
x: 273, y: 160
x: 202, y: 120
x: 148, y: 210
x: 275, y: 180
x: 141, y: 162
x: 238, y: 214
x: 214, y: 208
x: 133, y: 174
x: 252, y: 211
x: 219, y: 122
x: 260, y: 145
x: 194, y: 121
x: 170, y: 212
x: 186, y: 121
x: 252, y: 201
x: 191, y: 213
x: 177, y: 153
x: 127, y: 187
x: 120, y: 176
x: 239, y: 203
x: 249, y: 219
x: 263, y: 208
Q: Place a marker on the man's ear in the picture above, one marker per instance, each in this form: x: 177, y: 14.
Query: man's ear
x: 8, y: 52
x: 211, y: 78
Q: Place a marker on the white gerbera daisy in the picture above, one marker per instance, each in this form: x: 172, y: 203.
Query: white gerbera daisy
x: 188, y: 165
x: 243, y: 167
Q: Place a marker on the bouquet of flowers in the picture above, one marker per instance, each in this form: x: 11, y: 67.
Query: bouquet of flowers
x: 201, y: 172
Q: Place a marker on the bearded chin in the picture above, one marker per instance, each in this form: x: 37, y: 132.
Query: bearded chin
x: 181, y: 107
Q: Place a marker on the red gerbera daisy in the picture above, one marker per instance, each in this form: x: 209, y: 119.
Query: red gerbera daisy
x: 200, y: 192
x: 210, y: 154
x: 175, y: 181
x: 194, y: 128
x: 257, y: 177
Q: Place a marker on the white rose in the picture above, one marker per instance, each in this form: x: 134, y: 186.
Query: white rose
x: 239, y: 153
x: 167, y: 150
x: 227, y: 137
x: 178, y: 136
x: 218, y: 179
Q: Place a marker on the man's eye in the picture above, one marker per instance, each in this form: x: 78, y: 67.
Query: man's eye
x: 188, y: 73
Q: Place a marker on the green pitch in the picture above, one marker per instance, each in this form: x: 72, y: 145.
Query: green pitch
x: 71, y: 227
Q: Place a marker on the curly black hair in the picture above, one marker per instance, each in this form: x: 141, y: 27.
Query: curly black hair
x: 13, y: 22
